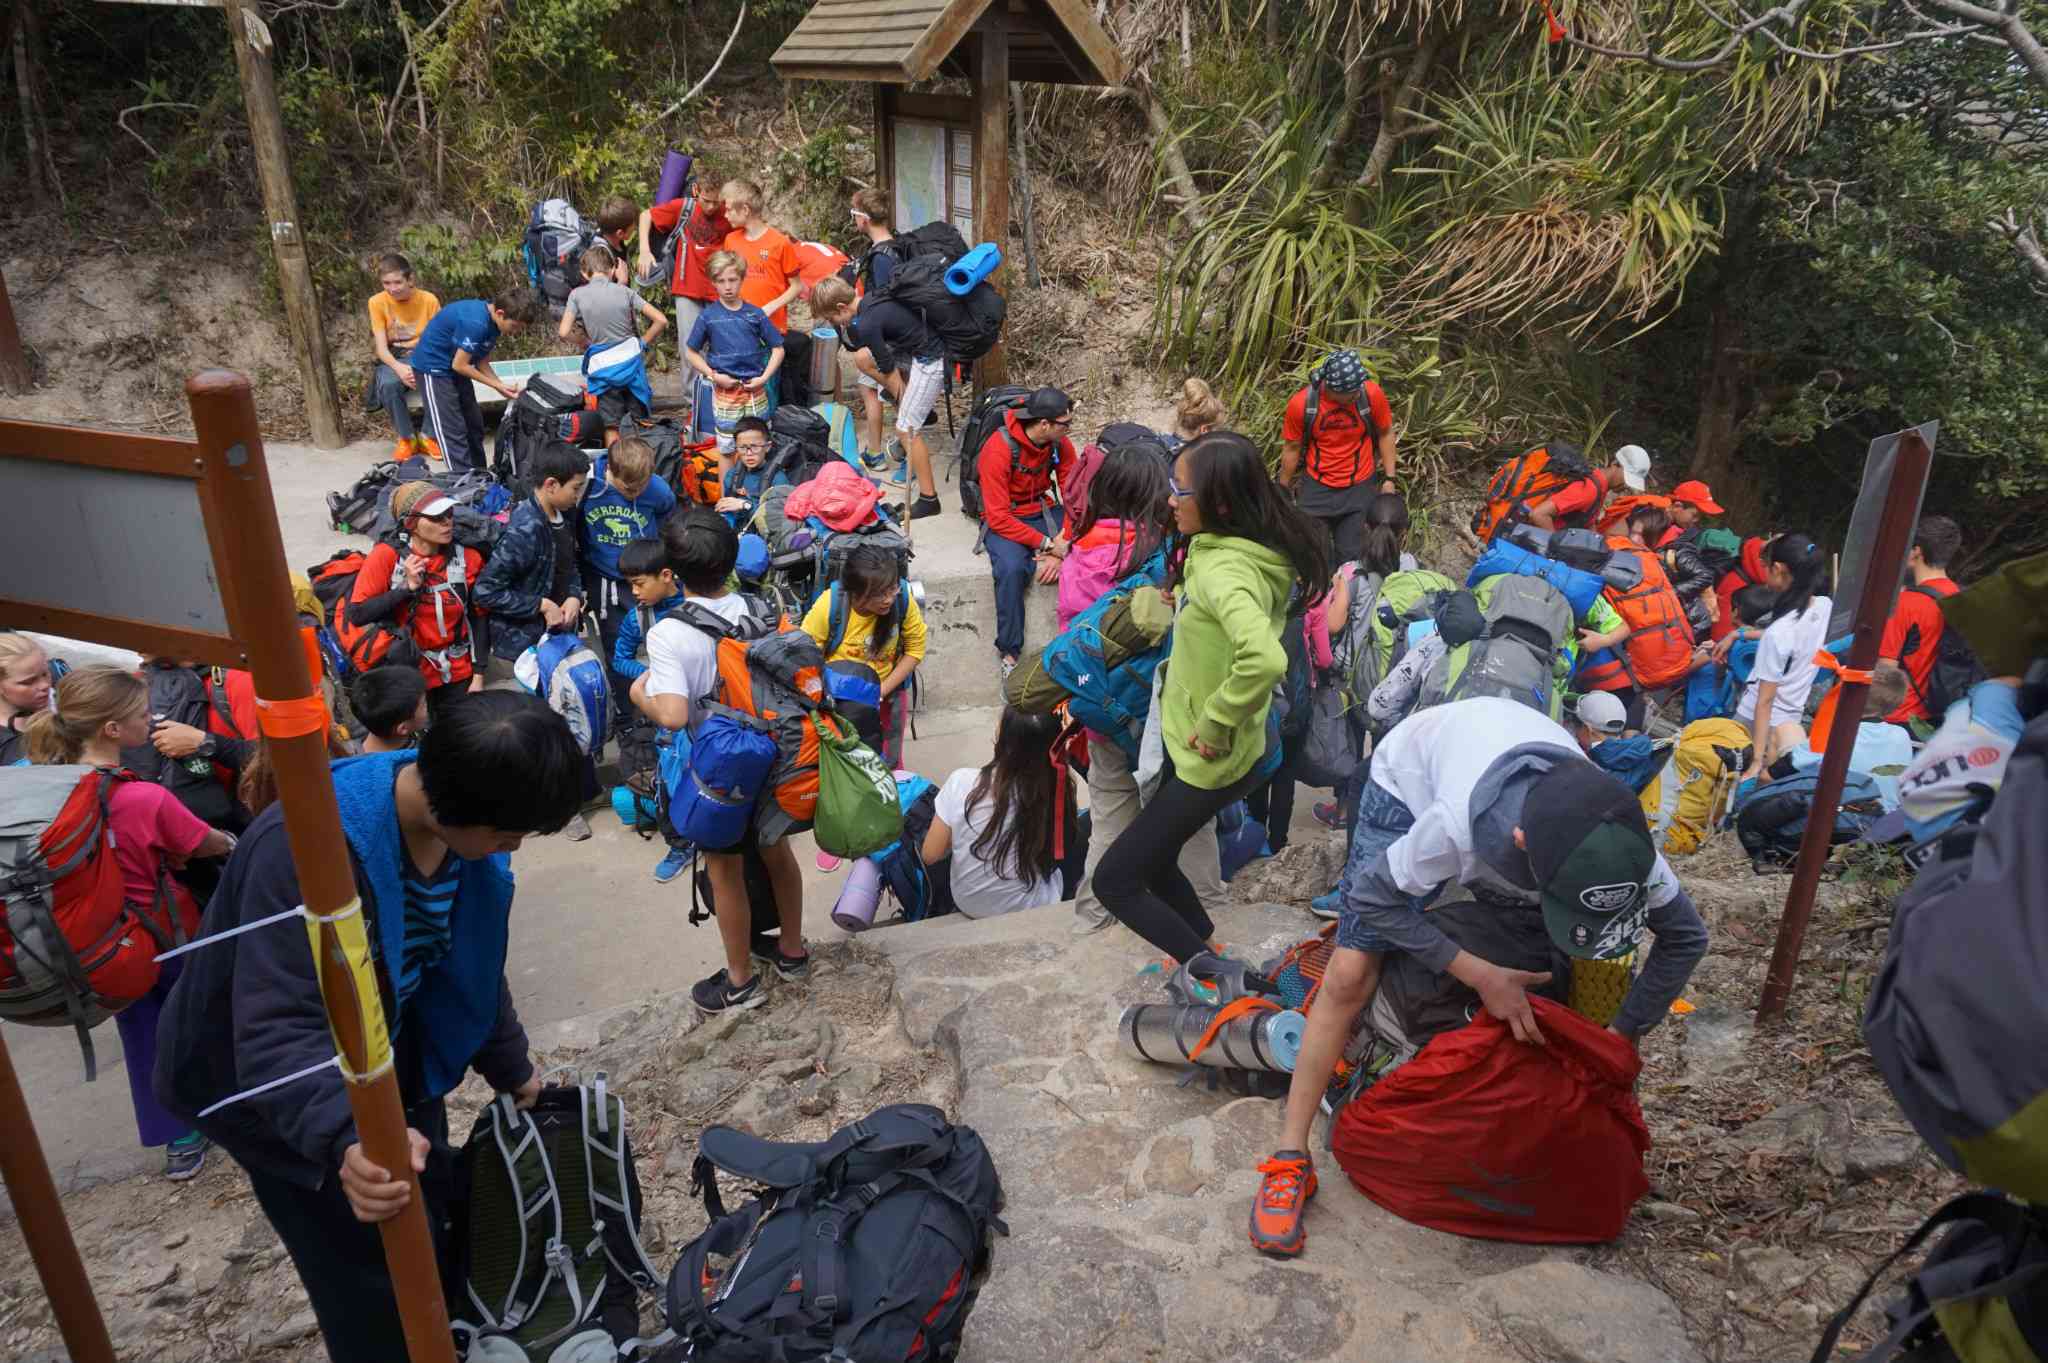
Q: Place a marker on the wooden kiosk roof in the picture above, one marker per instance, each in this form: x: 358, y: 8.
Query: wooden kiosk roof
x: 1051, y: 42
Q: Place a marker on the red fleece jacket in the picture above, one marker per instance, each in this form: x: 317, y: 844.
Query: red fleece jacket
x: 1006, y: 496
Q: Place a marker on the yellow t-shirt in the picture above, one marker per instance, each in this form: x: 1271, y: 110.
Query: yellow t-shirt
x: 402, y: 323
x: 860, y: 631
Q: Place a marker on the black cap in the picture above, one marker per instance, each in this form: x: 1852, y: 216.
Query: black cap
x: 1459, y: 619
x: 1047, y: 404
x: 1590, y: 848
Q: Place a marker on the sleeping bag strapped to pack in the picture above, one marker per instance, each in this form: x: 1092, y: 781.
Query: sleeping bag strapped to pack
x: 1659, y: 645
x: 1102, y: 664
x: 1770, y: 817
x: 1505, y: 556
x: 556, y: 238
x: 563, y: 671
x: 1528, y: 631
x: 1686, y: 801
x: 1525, y: 480
x: 1483, y: 1135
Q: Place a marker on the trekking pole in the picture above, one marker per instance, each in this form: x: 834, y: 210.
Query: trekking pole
x: 50, y: 1246
x: 256, y: 590
x: 1880, y: 576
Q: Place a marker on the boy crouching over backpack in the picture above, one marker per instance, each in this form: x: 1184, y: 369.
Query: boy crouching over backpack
x: 682, y: 671
x: 428, y: 833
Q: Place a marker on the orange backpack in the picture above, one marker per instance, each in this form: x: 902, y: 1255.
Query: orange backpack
x: 1614, y: 516
x: 1659, y: 646
x: 1524, y: 481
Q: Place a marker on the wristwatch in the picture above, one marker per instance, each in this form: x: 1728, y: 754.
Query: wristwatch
x: 1045, y: 545
x: 207, y: 748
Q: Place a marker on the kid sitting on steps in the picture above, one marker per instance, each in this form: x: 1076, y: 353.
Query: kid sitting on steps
x: 749, y: 480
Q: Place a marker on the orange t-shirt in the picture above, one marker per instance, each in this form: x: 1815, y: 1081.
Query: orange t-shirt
x: 771, y: 263
x: 402, y: 323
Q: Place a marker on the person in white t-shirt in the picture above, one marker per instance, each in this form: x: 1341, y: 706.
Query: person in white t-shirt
x: 997, y: 823
x: 1773, y: 703
x: 682, y: 670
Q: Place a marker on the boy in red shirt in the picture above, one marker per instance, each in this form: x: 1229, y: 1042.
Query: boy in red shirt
x: 1350, y: 439
x: 1912, y: 637
x: 705, y: 231
x: 774, y: 274
x: 1019, y: 515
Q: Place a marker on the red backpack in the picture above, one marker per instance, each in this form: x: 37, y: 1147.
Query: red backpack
x: 73, y: 950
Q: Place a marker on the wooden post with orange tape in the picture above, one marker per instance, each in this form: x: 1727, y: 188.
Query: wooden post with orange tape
x: 294, y: 718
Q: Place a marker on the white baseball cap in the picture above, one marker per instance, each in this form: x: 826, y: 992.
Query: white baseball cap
x: 1601, y: 712
x: 1635, y: 466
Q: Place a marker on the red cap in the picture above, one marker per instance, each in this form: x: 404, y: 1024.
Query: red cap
x: 1697, y: 494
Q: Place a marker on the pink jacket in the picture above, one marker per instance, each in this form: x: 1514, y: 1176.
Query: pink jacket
x: 838, y: 496
x: 1315, y: 624
x: 1091, y: 567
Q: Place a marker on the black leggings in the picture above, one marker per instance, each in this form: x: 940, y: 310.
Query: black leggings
x: 1139, y: 878
x: 1273, y: 803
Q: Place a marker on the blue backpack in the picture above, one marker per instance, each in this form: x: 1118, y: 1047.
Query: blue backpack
x: 563, y: 671
x: 1770, y: 817
x: 1113, y: 701
x: 921, y: 893
x: 1578, y: 586
x: 712, y: 790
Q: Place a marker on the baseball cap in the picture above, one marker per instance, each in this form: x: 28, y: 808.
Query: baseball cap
x: 1603, y: 713
x: 1047, y: 404
x: 1635, y: 466
x: 418, y: 499
x: 1697, y: 494
x: 1589, y: 847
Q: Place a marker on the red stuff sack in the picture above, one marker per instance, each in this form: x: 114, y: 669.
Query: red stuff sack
x: 1483, y: 1135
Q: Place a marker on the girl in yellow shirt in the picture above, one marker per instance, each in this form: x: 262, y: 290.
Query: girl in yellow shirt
x: 869, y: 617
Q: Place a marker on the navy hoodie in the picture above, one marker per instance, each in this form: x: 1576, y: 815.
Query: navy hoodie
x: 249, y: 1011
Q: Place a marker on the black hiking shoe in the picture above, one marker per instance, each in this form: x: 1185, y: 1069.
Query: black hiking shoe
x: 925, y: 506
x: 716, y: 995
x: 767, y: 951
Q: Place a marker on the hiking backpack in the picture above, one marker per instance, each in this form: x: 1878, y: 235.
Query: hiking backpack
x: 1376, y: 622
x: 1720, y: 550
x: 689, y: 467
x: 1688, y: 798
x: 1658, y: 650
x: 985, y: 420
x: 771, y: 684
x: 1101, y: 666
x: 920, y: 891
x: 73, y: 950
x: 547, y: 409
x: 1528, y: 630
x: 1956, y: 668
x: 564, y: 671
x: 968, y: 327
x: 546, y: 1228
x: 1115, y: 436
x: 871, y: 1244
x: 356, y: 511
x: 362, y: 647
x: 1770, y: 817
x: 552, y: 249
x: 1518, y: 553
x: 1312, y: 407
x: 1525, y: 480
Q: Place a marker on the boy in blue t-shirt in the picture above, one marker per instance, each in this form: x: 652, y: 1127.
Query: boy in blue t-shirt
x: 737, y: 348
x: 454, y: 351
x: 624, y: 501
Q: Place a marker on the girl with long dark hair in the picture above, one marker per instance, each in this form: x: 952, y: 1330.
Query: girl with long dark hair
x: 1244, y: 551
x: 1129, y: 514
x: 1773, y: 705
x: 997, y: 823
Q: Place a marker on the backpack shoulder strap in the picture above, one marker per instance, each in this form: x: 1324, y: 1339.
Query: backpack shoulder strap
x: 215, y: 683
x: 516, y: 1139
x: 613, y: 1187
x: 836, y: 611
x: 703, y: 618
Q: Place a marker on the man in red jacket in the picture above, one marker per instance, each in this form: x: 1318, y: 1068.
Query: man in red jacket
x: 1020, y: 510
x: 1912, y: 636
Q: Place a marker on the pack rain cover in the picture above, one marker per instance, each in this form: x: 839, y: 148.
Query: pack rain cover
x: 1483, y: 1135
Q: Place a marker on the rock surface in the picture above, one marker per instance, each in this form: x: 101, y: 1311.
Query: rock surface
x: 1128, y: 1195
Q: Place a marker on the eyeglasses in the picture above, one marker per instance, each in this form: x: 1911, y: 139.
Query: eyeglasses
x: 756, y: 448
x: 1173, y: 486
x: 1063, y: 421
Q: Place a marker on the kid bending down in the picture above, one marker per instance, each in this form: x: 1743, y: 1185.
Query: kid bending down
x: 869, y: 617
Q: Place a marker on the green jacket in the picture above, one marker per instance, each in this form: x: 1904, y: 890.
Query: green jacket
x: 1226, y: 657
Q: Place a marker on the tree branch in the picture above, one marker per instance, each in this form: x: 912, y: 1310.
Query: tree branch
x: 122, y: 119
x: 1399, y: 102
x: 1188, y: 200
x: 2027, y: 242
x: 698, y: 88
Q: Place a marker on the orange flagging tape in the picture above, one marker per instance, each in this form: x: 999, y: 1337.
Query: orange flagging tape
x: 1557, y: 30
x: 1236, y: 1008
x: 292, y: 718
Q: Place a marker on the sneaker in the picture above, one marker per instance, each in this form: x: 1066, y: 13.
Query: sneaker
x: 924, y: 506
x: 767, y: 951
x: 185, y: 1157
x: 577, y: 829
x: 1330, y: 813
x: 716, y: 995
x: 1329, y: 905
x: 1289, y: 1182
x: 673, y: 864
x: 401, y: 451
x: 431, y: 447
x: 895, y: 452
x: 1008, y: 665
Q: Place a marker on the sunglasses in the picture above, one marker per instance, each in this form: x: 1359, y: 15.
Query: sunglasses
x: 445, y: 518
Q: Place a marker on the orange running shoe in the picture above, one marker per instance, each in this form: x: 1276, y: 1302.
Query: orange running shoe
x: 1289, y: 1182
x: 401, y: 451
x: 431, y: 447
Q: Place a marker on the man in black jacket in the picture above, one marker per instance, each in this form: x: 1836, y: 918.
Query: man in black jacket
x: 1690, y: 576
x: 429, y: 833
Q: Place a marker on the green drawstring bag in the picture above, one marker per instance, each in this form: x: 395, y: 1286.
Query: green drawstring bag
x: 858, y: 812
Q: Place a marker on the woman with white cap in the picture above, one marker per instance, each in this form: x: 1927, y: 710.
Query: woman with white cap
x: 416, y: 608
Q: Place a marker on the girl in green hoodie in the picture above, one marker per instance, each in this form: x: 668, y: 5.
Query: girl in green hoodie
x: 1247, y: 551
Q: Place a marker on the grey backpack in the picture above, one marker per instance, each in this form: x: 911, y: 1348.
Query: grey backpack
x: 1528, y: 624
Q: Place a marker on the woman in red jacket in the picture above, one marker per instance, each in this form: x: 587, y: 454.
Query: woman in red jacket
x: 418, y: 610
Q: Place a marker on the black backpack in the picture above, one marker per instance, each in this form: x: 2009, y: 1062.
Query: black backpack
x: 984, y: 421
x: 968, y: 327
x: 357, y: 509
x: 548, y: 409
x: 666, y: 437
x: 940, y: 239
x: 871, y: 1244
x: 1956, y: 669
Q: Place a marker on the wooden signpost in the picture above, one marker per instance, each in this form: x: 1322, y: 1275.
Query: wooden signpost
x: 171, y: 547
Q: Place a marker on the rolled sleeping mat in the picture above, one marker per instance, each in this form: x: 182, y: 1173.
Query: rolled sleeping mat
x: 855, y: 910
x: 1168, y: 1033
x: 675, y: 176
x: 968, y: 271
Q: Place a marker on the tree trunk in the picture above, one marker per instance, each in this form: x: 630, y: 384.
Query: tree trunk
x: 24, y: 81
x: 1727, y: 385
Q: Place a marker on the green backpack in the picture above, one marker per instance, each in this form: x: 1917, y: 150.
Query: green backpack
x: 1525, y: 654
x: 1376, y: 625
x: 546, y: 1227
x: 858, y: 808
